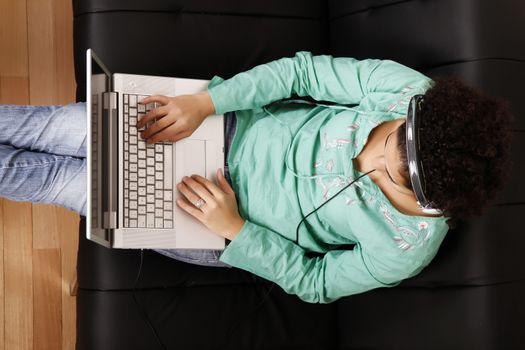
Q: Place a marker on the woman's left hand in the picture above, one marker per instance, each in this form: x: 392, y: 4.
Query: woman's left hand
x: 220, y: 212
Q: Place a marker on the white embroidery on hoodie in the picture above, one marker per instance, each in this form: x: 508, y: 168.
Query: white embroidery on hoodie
x: 408, y: 92
x: 407, y: 238
x: 336, y: 143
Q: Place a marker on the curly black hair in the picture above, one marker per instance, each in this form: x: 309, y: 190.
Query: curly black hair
x: 465, y: 147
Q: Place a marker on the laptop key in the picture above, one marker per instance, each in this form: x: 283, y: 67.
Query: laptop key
x: 168, y: 167
x: 142, y: 221
x: 151, y: 220
x: 167, y: 224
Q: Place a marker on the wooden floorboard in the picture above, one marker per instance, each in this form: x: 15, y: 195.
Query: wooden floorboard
x: 47, y: 305
x: 18, y: 276
x: 38, y: 242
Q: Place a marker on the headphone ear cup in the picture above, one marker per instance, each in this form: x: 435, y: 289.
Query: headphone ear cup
x: 431, y: 211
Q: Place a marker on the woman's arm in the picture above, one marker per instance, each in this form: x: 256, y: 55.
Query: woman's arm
x: 316, y: 280
x: 342, y: 80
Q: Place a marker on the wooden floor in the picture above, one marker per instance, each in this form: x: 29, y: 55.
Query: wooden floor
x: 38, y: 243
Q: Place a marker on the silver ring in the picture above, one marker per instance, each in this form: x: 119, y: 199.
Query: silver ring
x: 199, y: 203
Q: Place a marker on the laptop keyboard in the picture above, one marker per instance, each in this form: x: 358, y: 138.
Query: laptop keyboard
x: 94, y: 163
x: 148, y: 177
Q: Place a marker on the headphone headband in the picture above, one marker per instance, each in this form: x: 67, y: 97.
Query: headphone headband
x: 415, y: 166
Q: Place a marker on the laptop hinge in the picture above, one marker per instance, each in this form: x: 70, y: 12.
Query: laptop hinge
x: 110, y: 159
x: 110, y: 219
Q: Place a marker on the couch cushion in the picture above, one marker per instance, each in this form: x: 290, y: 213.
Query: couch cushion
x: 485, y: 317
x: 152, y: 38
x: 425, y: 33
x: 214, y: 317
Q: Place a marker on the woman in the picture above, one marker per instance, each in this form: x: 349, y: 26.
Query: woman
x: 290, y: 157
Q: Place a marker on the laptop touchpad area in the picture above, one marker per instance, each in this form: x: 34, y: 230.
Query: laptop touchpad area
x: 193, y: 156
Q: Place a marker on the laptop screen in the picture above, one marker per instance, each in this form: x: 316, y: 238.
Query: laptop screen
x: 99, y: 83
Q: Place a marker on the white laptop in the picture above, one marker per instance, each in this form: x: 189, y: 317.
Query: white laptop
x: 131, y: 184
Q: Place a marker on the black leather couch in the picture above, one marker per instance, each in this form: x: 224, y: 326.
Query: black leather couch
x: 472, y: 296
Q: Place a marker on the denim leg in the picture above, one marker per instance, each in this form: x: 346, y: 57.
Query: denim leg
x: 37, y: 177
x: 203, y: 257
x: 50, y: 129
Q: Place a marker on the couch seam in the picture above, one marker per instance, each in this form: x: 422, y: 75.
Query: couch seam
x: 370, y: 8
x: 201, y: 13
x: 448, y: 63
x: 449, y: 286
x: 245, y: 285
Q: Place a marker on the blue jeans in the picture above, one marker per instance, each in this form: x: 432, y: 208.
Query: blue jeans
x: 43, y: 160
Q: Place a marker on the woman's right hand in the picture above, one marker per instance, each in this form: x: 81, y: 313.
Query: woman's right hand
x: 177, y: 117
